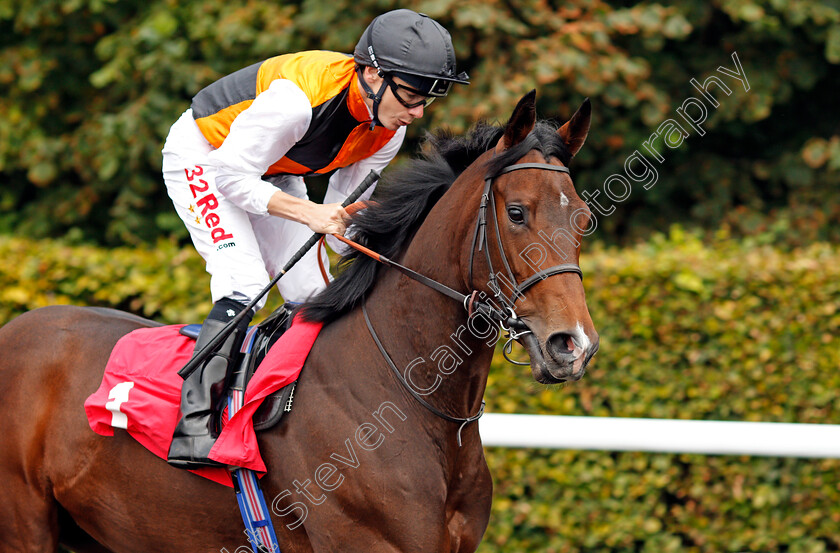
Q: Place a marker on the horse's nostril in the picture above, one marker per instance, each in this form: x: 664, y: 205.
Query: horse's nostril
x: 560, y: 344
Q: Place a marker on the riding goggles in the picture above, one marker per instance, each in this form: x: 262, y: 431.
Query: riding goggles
x: 425, y: 99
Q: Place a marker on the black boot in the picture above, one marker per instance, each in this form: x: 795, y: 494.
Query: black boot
x: 202, y: 396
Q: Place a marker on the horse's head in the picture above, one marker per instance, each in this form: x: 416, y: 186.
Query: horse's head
x: 522, y: 252
x: 531, y: 248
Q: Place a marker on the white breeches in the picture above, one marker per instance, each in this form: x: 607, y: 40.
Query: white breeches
x: 243, y: 251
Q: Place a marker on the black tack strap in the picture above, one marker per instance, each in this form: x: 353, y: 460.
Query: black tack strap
x: 542, y: 275
x: 518, y: 166
x: 412, y: 391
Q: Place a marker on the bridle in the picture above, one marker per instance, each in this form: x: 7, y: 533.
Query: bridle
x: 473, y: 303
x: 510, y: 319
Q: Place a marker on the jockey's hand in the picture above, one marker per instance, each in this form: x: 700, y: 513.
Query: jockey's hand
x: 327, y: 218
x: 321, y: 218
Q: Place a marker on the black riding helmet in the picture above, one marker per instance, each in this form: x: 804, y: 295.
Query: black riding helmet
x: 413, y: 47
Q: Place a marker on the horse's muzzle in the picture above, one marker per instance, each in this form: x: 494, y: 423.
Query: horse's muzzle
x: 562, y: 358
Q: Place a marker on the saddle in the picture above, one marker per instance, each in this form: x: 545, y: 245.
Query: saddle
x: 264, y: 335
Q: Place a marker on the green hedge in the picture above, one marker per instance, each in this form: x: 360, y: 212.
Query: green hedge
x: 692, y: 330
x: 163, y: 282
x: 721, y: 331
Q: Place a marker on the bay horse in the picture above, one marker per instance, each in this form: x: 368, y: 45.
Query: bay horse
x: 360, y: 464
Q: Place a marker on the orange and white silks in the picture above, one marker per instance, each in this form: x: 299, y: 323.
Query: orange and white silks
x: 338, y: 133
x: 258, y: 130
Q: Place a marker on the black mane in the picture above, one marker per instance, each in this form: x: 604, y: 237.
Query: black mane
x: 406, y: 196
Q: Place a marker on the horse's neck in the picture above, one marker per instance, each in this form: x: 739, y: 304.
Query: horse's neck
x: 423, y: 329
x: 430, y: 343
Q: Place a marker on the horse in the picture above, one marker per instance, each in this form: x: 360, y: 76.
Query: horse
x: 371, y: 458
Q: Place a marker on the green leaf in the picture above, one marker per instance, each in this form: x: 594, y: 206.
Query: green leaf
x: 832, y: 45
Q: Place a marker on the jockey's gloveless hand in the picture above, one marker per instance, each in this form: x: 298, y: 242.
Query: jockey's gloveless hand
x: 328, y: 218
x: 320, y: 218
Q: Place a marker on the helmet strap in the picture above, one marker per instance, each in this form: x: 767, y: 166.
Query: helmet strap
x: 376, y: 97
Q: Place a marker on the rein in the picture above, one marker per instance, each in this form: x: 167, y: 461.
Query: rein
x: 412, y: 391
x: 463, y: 299
x: 506, y: 317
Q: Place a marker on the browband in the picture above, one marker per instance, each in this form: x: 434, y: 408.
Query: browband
x: 545, y: 166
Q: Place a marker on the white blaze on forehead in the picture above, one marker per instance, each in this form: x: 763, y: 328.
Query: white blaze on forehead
x: 563, y: 199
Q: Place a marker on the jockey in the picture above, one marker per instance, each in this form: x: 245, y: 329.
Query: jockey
x: 234, y: 163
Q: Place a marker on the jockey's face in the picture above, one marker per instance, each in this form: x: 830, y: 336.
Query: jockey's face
x: 392, y: 113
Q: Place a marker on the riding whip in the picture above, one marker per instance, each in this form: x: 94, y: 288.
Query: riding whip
x: 211, y: 346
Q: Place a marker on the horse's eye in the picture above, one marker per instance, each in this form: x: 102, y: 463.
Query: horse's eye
x: 516, y: 214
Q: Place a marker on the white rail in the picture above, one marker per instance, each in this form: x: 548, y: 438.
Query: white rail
x: 661, y: 435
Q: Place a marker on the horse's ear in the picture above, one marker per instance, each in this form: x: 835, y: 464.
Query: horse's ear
x: 521, y: 122
x: 575, y: 130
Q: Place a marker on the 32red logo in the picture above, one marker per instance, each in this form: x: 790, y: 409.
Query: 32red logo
x: 207, y: 203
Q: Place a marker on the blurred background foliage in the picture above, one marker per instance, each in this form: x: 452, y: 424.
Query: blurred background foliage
x: 692, y: 327
x: 89, y: 88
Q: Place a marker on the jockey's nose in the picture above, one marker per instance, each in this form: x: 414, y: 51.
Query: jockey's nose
x: 416, y: 111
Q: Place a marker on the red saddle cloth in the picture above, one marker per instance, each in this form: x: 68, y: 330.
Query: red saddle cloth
x: 141, y: 392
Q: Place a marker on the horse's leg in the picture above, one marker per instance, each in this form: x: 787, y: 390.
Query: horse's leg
x: 73, y: 539
x: 28, y: 522
x: 468, y: 505
x: 36, y: 378
x: 28, y: 511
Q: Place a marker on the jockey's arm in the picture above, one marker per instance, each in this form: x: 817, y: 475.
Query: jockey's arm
x: 325, y: 219
x: 253, y: 144
x: 330, y: 217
